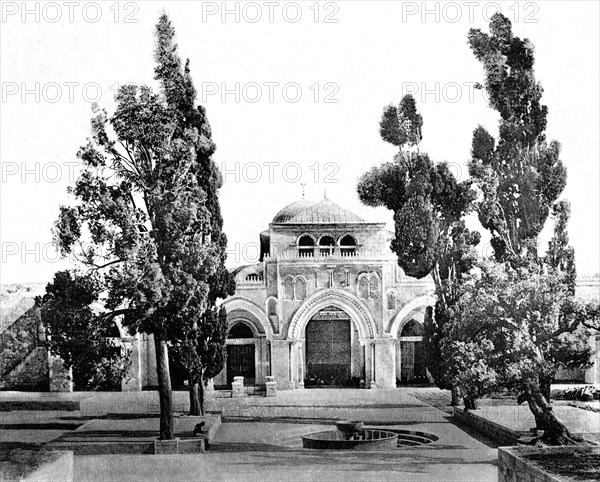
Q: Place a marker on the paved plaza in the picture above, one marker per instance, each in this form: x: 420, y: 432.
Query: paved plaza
x: 260, y: 438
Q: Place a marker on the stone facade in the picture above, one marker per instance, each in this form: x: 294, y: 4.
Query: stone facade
x: 321, y: 262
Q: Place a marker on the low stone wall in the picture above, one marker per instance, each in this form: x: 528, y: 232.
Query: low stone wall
x: 58, y: 469
x: 514, y: 466
x: 493, y: 430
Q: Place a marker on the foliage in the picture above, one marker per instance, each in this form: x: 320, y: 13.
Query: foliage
x: 77, y: 333
x: 521, y: 176
x: 141, y: 222
x: 202, y: 348
x: 506, y: 319
x: 524, y: 305
x: 428, y: 205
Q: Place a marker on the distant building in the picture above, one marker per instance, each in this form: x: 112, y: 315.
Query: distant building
x: 327, y: 305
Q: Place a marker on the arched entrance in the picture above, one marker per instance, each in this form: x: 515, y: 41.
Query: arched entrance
x: 241, y: 354
x: 328, y: 340
x: 412, y: 354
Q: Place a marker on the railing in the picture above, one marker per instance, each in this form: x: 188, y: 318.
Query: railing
x: 294, y: 254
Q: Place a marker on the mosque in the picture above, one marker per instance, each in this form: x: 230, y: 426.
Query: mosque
x: 327, y: 305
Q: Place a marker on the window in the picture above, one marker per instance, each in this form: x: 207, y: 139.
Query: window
x: 300, y: 289
x: 288, y: 288
x: 240, y: 330
x: 412, y: 328
x: 254, y: 277
x: 348, y: 246
x: 363, y: 287
x: 326, y: 245
x: 374, y: 287
x: 306, y: 246
x: 272, y: 307
x: 391, y: 301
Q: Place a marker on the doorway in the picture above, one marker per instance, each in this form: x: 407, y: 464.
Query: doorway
x: 328, y: 353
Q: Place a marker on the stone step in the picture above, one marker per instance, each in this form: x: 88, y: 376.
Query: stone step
x: 40, y: 405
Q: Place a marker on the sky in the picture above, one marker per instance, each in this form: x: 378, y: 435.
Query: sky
x: 294, y: 92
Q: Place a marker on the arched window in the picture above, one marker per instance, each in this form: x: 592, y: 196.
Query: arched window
x: 254, y: 277
x: 326, y: 245
x: 374, y: 287
x: 288, y: 288
x: 412, y: 328
x: 348, y: 246
x: 240, y: 330
x: 306, y: 246
x: 391, y: 301
x: 363, y: 287
x: 272, y: 307
x: 300, y: 289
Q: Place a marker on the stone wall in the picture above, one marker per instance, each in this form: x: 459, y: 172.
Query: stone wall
x: 513, y: 465
x: 497, y: 432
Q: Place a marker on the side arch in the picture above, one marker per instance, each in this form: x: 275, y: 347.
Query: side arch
x: 332, y: 297
x: 407, y: 311
x: 239, y: 308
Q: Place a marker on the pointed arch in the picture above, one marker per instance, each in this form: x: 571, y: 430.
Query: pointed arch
x: 332, y: 297
x: 242, y: 309
x: 402, y: 316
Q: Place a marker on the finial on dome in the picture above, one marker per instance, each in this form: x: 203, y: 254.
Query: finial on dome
x: 303, y: 184
x: 325, y: 194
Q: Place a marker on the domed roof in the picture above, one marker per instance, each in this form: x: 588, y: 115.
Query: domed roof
x: 323, y: 212
x: 291, y: 210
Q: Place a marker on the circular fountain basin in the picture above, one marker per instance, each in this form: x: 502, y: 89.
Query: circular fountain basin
x: 368, y: 439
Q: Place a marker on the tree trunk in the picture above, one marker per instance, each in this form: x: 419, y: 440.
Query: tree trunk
x: 555, y: 432
x: 545, y: 387
x: 201, y: 396
x: 194, y: 400
x: 455, y: 391
x: 470, y: 402
x: 164, y: 389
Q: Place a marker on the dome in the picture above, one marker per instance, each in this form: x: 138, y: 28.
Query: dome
x: 326, y: 212
x: 291, y: 210
x: 323, y: 212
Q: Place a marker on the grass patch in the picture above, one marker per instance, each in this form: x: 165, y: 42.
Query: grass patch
x: 578, y: 465
x: 17, y: 460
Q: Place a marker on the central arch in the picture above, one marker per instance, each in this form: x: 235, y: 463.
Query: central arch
x: 340, y: 299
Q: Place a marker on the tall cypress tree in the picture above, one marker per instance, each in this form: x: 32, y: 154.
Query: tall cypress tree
x: 202, y: 351
x: 428, y: 206
x: 521, y: 177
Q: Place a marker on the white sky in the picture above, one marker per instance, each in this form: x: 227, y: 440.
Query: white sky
x: 369, y: 58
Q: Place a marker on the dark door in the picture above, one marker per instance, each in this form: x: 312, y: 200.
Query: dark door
x: 407, y: 361
x: 328, y: 356
x: 240, y: 363
x: 412, y: 362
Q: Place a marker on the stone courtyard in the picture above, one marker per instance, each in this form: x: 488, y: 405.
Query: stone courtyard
x: 260, y: 438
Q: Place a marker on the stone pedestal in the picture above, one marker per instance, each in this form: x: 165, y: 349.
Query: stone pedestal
x: 271, y: 387
x: 237, y: 387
